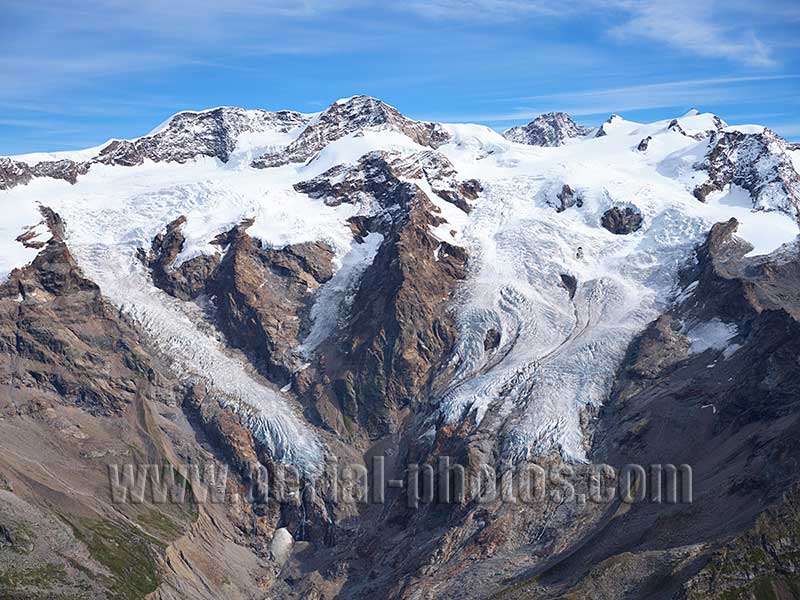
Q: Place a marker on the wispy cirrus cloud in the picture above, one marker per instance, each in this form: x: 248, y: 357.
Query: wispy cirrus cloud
x: 493, y: 10
x: 699, y: 27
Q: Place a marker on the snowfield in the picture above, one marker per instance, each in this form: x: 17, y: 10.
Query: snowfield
x: 557, y: 354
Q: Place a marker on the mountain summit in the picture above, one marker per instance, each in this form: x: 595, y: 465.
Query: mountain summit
x: 348, y: 116
x: 549, y: 129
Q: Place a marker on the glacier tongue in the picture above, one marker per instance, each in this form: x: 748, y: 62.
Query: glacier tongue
x: 197, y: 354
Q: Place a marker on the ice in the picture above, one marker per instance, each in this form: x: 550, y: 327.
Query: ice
x: 335, y: 296
x: 766, y: 231
x: 713, y: 334
x: 32, y: 158
x: 113, y: 210
x: 697, y: 123
x: 559, y: 355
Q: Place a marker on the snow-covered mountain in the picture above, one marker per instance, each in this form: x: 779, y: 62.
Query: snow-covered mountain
x: 338, y: 278
x: 196, y: 166
x: 550, y: 129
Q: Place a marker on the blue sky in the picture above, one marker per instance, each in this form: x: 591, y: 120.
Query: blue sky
x: 73, y: 75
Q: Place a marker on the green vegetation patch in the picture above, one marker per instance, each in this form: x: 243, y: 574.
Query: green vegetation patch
x: 127, y: 553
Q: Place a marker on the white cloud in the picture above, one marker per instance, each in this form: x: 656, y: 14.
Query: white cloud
x: 496, y: 10
x: 701, y: 27
x: 695, y: 26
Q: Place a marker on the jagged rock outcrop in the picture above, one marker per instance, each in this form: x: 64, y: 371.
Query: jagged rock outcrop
x: 757, y: 162
x: 184, y: 281
x: 676, y: 127
x: 261, y: 294
x: 567, y: 198
x: 80, y: 391
x: 398, y: 329
x: 367, y: 345
x: 56, y: 357
x: 731, y: 401
x: 622, y: 220
x: 65, y: 169
x: 550, y: 129
x: 348, y: 116
x: 377, y: 176
x: 13, y: 173
x: 719, y: 370
x: 644, y: 144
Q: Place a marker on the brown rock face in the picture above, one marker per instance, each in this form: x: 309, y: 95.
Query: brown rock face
x: 80, y: 392
x: 400, y: 331
x: 58, y: 331
x: 729, y: 410
x: 378, y: 175
x: 657, y: 349
x: 262, y: 296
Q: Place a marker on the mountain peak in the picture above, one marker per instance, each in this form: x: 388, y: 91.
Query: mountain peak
x: 609, y: 124
x: 548, y: 129
x: 346, y: 116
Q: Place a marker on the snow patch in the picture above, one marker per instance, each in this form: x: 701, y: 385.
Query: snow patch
x: 19, y: 217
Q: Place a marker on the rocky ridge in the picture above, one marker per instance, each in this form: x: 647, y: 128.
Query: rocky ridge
x: 185, y: 136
